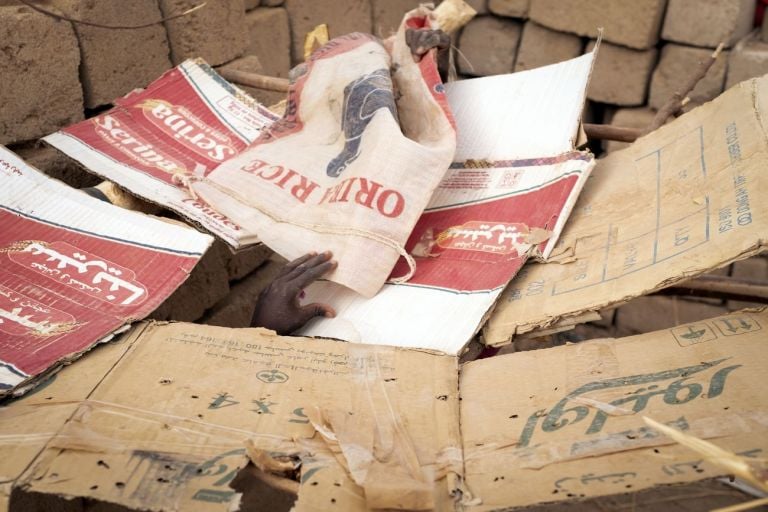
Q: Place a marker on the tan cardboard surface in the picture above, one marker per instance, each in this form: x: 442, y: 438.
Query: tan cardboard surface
x: 554, y: 424
x: 28, y: 423
x: 167, y: 427
x: 181, y: 409
x: 680, y: 201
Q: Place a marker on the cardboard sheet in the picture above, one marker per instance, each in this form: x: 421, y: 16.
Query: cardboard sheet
x: 29, y: 422
x: 168, y: 427
x: 555, y: 424
x: 508, y: 194
x: 74, y: 269
x: 679, y: 202
x: 186, y: 122
x: 180, y: 409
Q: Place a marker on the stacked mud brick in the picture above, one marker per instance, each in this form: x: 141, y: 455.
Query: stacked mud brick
x: 649, y: 47
x: 54, y: 73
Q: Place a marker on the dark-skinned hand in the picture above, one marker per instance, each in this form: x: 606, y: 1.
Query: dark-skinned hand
x: 278, y: 307
x: 420, y: 41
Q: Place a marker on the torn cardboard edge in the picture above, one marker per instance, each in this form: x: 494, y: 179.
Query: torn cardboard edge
x: 367, y: 402
x: 67, y: 283
x: 631, y: 234
x: 569, y: 321
x: 197, y: 88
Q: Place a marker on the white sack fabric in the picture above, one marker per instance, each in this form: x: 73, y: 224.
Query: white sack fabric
x: 366, y: 138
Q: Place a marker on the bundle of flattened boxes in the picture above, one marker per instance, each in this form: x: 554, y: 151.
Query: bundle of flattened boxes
x: 55, y: 73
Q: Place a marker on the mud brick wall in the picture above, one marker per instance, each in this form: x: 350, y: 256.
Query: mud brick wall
x: 649, y: 48
x: 54, y: 73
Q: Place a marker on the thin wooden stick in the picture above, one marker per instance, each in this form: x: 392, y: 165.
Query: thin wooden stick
x: 675, y: 103
x: 269, y: 83
x: 608, y: 132
x: 722, y: 287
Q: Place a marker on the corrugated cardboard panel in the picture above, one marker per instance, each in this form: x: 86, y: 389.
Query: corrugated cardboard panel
x: 184, y: 123
x: 28, y: 423
x: 554, y: 424
x: 172, y: 424
x: 168, y: 427
x: 73, y: 270
x: 683, y: 200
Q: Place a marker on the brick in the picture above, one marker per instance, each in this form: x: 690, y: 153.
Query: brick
x: 480, y: 6
x: 607, y: 317
x: 272, y: 3
x: 753, y: 268
x: 749, y: 58
x: 628, y: 118
x: 342, y: 17
x: 208, y: 283
x: 236, y: 309
x: 245, y: 261
x: 526, y: 344
x: 216, y: 32
x: 252, y: 64
x: 114, y: 62
x: 634, y: 23
x: 509, y: 8
x: 488, y: 46
x: 387, y: 15
x: 764, y: 30
x: 540, y: 46
x: 645, y: 314
x: 708, y: 22
x: 722, y: 271
x: 252, y: 4
x: 676, y: 65
x: 39, y: 61
x: 621, y: 75
x: 584, y: 332
x: 57, y: 165
x: 270, y: 39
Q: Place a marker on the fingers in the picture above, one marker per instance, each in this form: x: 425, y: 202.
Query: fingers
x: 298, y: 261
x: 311, y: 274
x: 313, y: 261
x: 310, y: 311
x: 295, y: 263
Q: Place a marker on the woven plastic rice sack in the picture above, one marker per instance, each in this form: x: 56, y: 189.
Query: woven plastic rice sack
x: 366, y: 138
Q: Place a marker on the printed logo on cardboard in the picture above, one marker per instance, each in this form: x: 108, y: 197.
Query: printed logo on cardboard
x: 21, y: 315
x: 80, y: 270
x: 188, y: 129
x: 497, y: 238
x: 130, y: 143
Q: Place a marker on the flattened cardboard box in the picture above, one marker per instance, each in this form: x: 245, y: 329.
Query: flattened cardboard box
x: 166, y: 427
x: 569, y: 422
x: 683, y: 200
x: 175, y: 419
x: 26, y: 425
x: 74, y: 270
